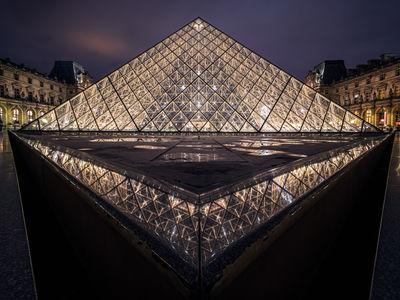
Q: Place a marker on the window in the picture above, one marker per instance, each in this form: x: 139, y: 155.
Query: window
x: 51, y: 87
x: 16, y: 76
x: 29, y: 115
x: 52, y: 100
x: 41, y: 84
x: 382, y: 76
x: 368, y: 80
x: 41, y: 98
x: 60, y: 89
x: 2, y: 91
x: 30, y: 96
x: 381, y: 117
x: 368, y: 116
x: 30, y: 80
x: 17, y: 93
x: 356, y: 84
x: 397, y: 72
x: 1, y: 72
x: 397, y: 117
x: 396, y: 90
x: 15, y: 116
x: 382, y: 94
x: 346, y: 87
x: 1, y: 115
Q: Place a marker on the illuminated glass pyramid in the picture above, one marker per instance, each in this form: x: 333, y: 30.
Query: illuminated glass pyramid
x: 199, y: 80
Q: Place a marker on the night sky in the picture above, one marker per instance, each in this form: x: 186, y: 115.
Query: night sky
x: 102, y: 35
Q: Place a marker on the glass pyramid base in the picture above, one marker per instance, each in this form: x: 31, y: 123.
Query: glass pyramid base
x: 199, y: 201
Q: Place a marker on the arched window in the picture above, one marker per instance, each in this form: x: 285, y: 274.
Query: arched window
x: 29, y: 115
x: 381, y: 117
x: 15, y: 115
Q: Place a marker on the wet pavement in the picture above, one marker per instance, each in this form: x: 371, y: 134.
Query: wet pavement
x: 16, y: 279
x: 386, y: 281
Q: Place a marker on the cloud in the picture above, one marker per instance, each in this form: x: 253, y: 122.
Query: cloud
x: 98, y: 43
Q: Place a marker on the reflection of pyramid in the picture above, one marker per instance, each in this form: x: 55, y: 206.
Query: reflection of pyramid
x: 200, y: 80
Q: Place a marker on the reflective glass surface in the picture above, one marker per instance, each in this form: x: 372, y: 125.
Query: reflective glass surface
x: 202, y: 230
x: 200, y: 80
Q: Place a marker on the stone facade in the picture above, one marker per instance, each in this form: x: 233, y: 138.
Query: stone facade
x: 371, y: 91
x: 26, y: 93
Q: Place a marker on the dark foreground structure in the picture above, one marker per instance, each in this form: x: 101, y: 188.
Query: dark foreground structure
x: 197, y: 170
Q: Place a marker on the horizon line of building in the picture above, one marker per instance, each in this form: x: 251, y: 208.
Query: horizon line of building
x: 371, y: 90
x: 26, y: 94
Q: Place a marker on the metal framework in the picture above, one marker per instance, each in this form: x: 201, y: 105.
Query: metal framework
x: 199, y: 80
x: 201, y: 230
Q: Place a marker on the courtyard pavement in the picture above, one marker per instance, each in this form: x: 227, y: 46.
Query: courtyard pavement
x: 16, y: 279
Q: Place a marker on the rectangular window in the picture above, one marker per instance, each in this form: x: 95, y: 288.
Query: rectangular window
x: 356, y: 84
x: 52, y: 100
x: 51, y: 87
x: 2, y: 91
x: 1, y: 72
x: 382, y: 76
x: 16, y: 76
x: 41, y: 84
x: 397, y: 72
x: 41, y: 97
x: 17, y: 93
x: 30, y: 96
x: 30, y: 80
x: 368, y: 80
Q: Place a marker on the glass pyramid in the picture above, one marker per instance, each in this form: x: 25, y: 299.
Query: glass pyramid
x: 199, y: 80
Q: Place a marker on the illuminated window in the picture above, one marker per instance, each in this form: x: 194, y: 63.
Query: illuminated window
x: 15, y: 115
x: 368, y: 116
x: 29, y: 115
x: 1, y: 115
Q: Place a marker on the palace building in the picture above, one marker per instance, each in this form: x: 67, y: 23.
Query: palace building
x: 197, y: 170
x: 26, y: 94
x: 371, y: 90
